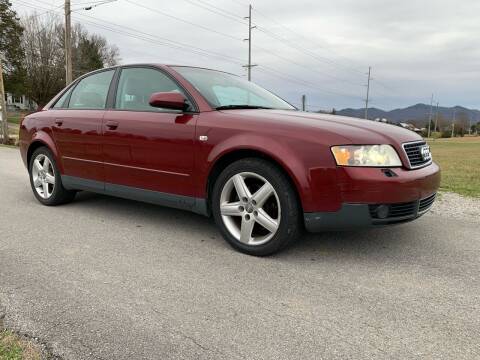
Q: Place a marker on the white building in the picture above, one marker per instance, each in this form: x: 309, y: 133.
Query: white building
x: 15, y: 103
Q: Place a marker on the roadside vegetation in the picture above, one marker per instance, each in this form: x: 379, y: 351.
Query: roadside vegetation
x: 14, y: 123
x: 15, y: 118
x: 459, y: 159
x: 14, y: 347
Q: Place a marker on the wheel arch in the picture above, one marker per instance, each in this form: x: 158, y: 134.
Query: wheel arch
x: 42, y: 139
x: 229, y: 157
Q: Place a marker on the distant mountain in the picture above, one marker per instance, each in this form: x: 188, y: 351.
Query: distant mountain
x: 415, y: 112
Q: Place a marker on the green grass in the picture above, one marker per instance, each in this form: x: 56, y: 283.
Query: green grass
x: 14, y: 123
x: 15, y: 118
x: 459, y: 159
x: 12, y: 347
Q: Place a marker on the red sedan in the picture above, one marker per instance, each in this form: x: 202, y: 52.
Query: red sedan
x: 218, y: 145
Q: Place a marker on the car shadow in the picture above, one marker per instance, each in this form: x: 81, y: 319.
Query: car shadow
x: 371, y: 243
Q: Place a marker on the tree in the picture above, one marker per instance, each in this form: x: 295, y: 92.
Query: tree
x: 89, y: 51
x: 441, y: 122
x: 475, y: 128
x: 10, y: 48
x: 462, y: 123
x: 45, y: 59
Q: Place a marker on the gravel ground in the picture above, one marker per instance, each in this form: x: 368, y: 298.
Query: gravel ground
x: 456, y: 207
x: 106, y: 278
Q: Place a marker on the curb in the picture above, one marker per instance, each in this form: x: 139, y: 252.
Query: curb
x: 2, y: 317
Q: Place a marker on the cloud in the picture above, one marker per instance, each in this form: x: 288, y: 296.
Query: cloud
x: 325, y: 47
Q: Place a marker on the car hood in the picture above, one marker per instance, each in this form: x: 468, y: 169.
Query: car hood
x: 350, y: 130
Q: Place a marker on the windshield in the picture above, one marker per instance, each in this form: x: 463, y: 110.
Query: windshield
x: 227, y: 91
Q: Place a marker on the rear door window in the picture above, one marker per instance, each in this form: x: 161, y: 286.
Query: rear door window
x: 91, y: 92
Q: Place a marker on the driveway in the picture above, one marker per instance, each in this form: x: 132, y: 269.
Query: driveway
x: 106, y: 278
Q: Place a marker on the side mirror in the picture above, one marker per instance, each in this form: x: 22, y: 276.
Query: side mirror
x: 168, y: 100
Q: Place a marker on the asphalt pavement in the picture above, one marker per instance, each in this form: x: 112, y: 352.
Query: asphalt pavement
x: 106, y: 278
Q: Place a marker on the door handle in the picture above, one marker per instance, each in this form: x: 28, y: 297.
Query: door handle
x: 58, y: 122
x: 111, y: 125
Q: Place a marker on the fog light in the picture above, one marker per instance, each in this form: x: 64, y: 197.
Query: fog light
x: 382, y: 211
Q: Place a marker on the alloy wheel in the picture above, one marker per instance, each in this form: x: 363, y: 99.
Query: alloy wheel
x: 250, y: 208
x: 43, y: 176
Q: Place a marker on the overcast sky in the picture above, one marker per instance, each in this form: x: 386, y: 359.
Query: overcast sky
x: 318, y: 48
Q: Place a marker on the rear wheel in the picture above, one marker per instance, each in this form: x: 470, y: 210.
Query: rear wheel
x: 45, y: 179
x: 255, y: 207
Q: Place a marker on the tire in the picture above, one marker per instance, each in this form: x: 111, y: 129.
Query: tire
x: 45, y: 177
x: 276, y: 217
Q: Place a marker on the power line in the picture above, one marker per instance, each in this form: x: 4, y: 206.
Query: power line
x: 147, y: 37
x: 352, y: 69
x: 237, y: 61
x: 298, y: 35
x: 297, y: 81
x: 298, y: 48
x: 151, y: 38
x: 229, y: 36
x: 183, y: 20
x: 235, y: 17
x: 179, y: 46
x: 218, y: 8
x: 271, y: 52
x: 220, y: 12
x: 271, y: 34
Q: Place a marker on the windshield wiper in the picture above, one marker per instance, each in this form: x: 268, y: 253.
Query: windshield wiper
x: 227, y: 107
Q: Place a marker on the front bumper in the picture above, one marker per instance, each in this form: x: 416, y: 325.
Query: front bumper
x: 354, y: 216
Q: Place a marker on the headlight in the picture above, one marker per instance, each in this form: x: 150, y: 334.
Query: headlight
x: 366, y: 155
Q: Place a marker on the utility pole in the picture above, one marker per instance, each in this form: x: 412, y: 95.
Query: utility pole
x: 250, y: 27
x: 453, y: 122
x: 304, y: 102
x: 3, y: 106
x: 68, y: 43
x: 368, y: 92
x: 430, y: 116
x: 436, y: 118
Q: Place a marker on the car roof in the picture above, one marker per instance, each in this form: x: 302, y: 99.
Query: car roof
x: 160, y: 65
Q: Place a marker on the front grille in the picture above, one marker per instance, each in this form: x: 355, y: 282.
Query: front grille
x: 414, y: 154
x: 426, y: 203
x: 399, y: 212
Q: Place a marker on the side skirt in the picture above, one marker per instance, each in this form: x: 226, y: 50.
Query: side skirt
x: 196, y: 205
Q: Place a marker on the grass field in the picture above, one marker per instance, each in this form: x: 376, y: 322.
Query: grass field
x: 459, y: 159
x: 15, y: 118
x: 14, y: 123
x: 12, y: 347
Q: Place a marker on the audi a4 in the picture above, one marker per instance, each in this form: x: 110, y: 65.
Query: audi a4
x: 218, y: 145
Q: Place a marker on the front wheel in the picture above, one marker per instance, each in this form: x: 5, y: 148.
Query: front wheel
x: 256, y: 207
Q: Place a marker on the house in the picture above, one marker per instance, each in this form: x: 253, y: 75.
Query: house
x: 17, y: 103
